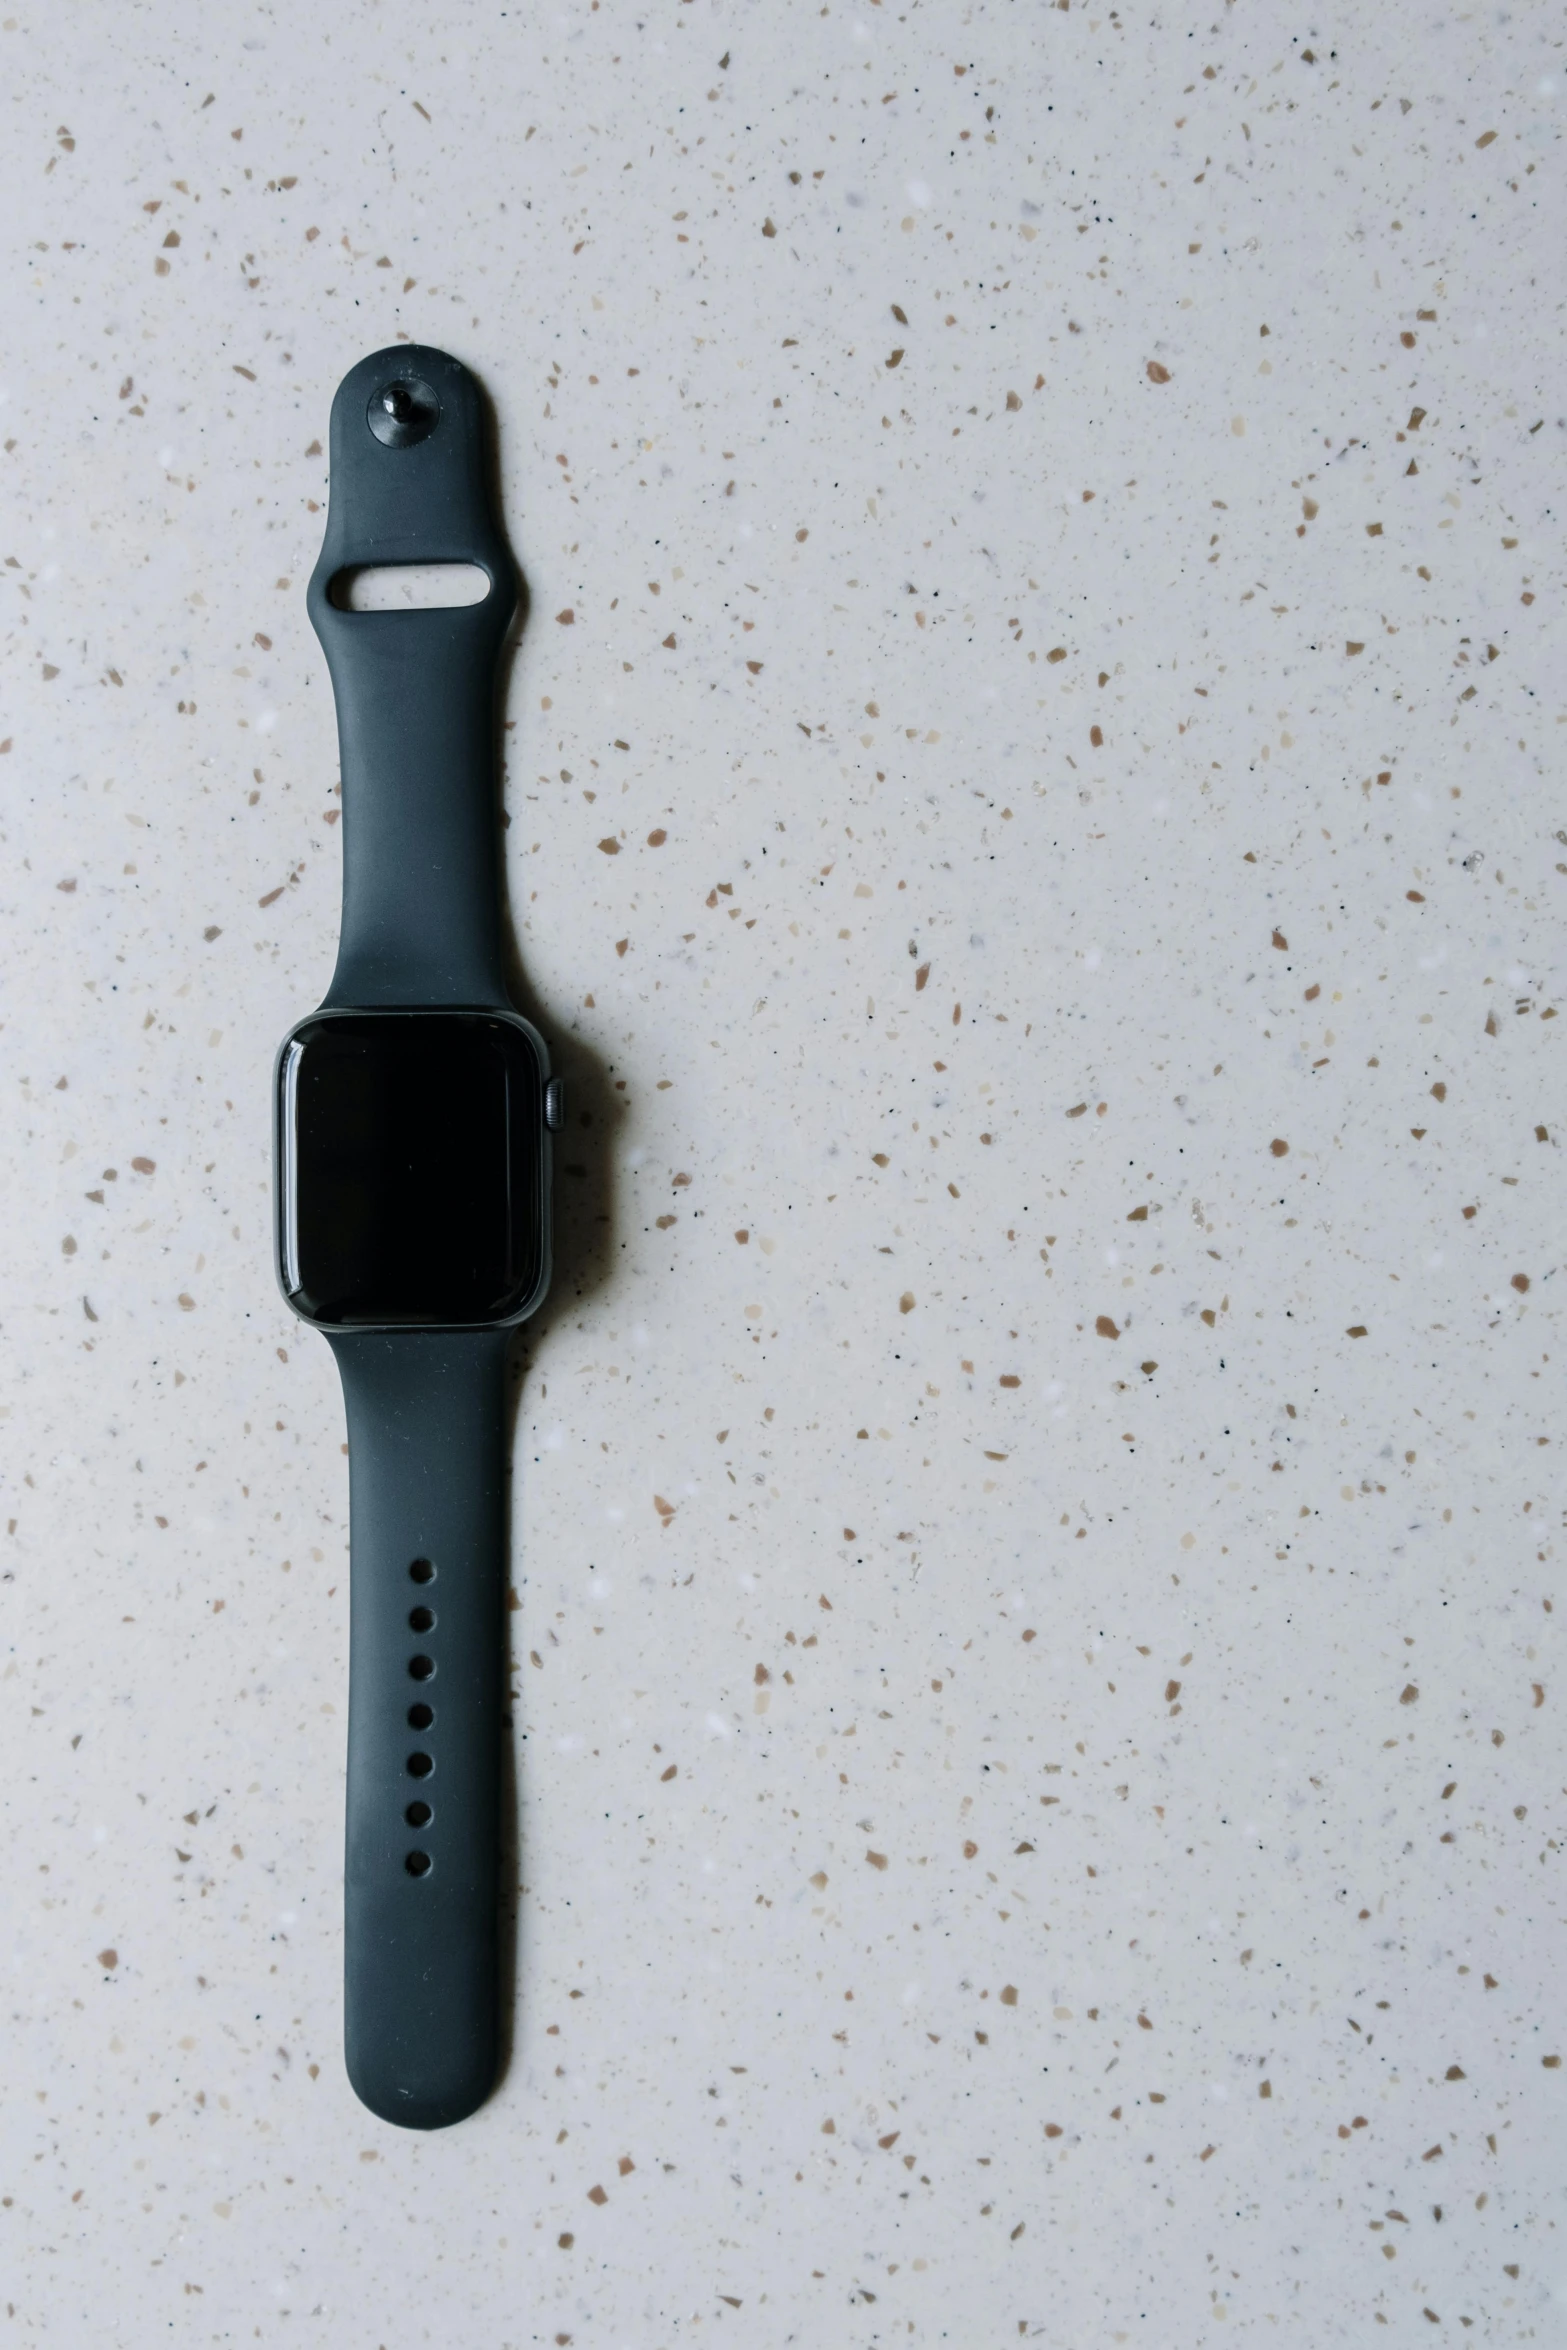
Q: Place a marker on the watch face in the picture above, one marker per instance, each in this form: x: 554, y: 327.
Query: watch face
x: 412, y: 1168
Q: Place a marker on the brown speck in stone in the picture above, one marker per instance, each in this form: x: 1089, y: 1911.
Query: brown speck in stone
x: 1078, y: 1110
x: 1455, y: 2072
x: 1539, y: 1693
x: 669, y: 1773
x: 1009, y: 1995
x: 894, y: 358
x: 1143, y: 2024
x: 1485, y: 138
x: 1172, y: 1690
x: 657, y: 838
x: 1521, y: 1283
x: 742, y: 1235
x: 1096, y: 735
x: 565, y: 2239
x: 1280, y: 941
x: 829, y: 2128
x: 1052, y: 2129
x: 1010, y: 1379
x: 824, y: 1601
x: 1148, y: 1368
x: 1356, y: 1330
x: 597, y: 2195
x: 878, y: 1860
x: 665, y: 1509
x: 906, y: 1302
x: 1351, y: 647
x: 1156, y: 373
x: 1056, y: 653
x: 1408, y: 1694
x: 1279, y: 1147
x: 1105, y: 1327
x: 768, y: 229
x: 610, y: 846
x: 1013, y: 402
x: 969, y: 1850
x: 920, y: 977
x: 1416, y: 897
x: 567, y: 616
x: 108, y: 1960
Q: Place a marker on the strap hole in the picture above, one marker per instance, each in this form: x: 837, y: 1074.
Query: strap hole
x: 417, y: 1864
x: 421, y: 1619
x: 418, y: 1815
x: 408, y: 587
x: 421, y: 1668
x: 420, y: 1766
x: 422, y: 1571
x: 420, y: 1716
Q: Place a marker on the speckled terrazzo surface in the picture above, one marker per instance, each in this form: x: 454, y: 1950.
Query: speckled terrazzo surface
x: 1035, y: 824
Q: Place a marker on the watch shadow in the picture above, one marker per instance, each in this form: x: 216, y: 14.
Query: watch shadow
x: 584, y: 1253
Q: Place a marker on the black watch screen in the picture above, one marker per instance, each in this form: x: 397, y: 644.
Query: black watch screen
x: 412, y: 1150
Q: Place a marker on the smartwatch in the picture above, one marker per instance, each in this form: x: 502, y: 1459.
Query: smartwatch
x: 414, y: 1111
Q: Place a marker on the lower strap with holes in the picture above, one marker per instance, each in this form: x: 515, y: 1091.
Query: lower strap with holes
x: 427, y: 1499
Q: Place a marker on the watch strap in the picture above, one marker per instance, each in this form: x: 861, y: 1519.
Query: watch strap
x: 415, y: 690
x: 428, y: 1527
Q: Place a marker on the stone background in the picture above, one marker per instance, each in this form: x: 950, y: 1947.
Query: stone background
x: 1044, y: 550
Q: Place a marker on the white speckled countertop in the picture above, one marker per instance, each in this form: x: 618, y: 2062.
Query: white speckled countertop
x: 1039, y: 1507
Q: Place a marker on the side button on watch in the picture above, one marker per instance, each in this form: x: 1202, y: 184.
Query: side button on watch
x: 414, y: 1111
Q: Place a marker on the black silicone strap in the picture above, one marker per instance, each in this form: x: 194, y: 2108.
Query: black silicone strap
x: 415, y: 690
x: 427, y: 1496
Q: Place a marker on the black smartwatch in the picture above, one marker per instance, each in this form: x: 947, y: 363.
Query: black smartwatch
x: 414, y: 1113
